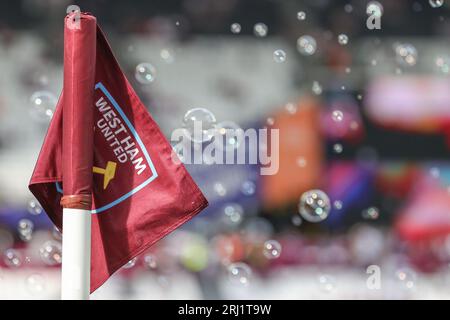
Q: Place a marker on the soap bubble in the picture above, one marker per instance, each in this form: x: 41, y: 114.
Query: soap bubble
x: 406, y: 278
x: 233, y: 213
x: 279, y: 56
x: 374, y: 8
x: 326, y: 283
x: 301, y: 162
x: 239, y: 273
x: 260, y: 30
x: 337, y: 147
x: 343, y: 39
x: 35, y: 283
x: 272, y: 249
x: 296, y: 220
x: 337, y: 204
x: 235, y: 28
x: 51, y: 253
x: 371, y: 213
x: 12, y: 258
x: 316, y: 88
x: 34, y: 207
x: 291, y: 108
x: 25, y: 228
x: 167, y: 55
x: 228, y: 136
x: 337, y: 115
x: 306, y: 45
x: 314, y: 205
x: 43, y: 104
x: 301, y: 15
x: 443, y: 64
x: 145, y: 73
x: 436, y: 3
x: 406, y: 54
x: 248, y: 188
x: 200, y: 124
x: 150, y: 261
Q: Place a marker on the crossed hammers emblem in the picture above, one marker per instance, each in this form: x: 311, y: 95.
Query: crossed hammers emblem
x: 108, y: 173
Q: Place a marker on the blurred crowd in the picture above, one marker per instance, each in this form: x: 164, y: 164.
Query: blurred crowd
x: 364, y: 123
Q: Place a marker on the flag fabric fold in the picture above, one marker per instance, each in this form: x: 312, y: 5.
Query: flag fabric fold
x: 139, y: 193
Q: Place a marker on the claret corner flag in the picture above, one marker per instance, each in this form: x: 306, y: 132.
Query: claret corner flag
x: 103, y: 150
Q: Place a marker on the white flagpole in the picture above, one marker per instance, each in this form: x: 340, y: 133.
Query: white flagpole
x: 76, y: 254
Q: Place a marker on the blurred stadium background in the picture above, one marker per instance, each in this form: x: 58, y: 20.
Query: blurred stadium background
x: 384, y: 165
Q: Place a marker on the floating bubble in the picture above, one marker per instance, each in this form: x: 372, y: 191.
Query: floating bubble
x: 270, y: 121
x: 301, y: 162
x: 130, y: 264
x: 279, y: 56
x: 374, y: 8
x: 145, y: 73
x: 436, y: 3
x: 12, y: 258
x: 200, y: 124
x: 248, y: 188
x: 43, y: 105
x: 228, y: 136
x: 337, y: 115
x: 220, y: 189
x: 35, y: 284
x: 301, y: 15
x: 51, y: 253
x: 443, y: 64
x: 34, y: 207
x: 327, y: 283
x: 296, y: 220
x: 343, y: 39
x: 150, y: 261
x: 25, y: 228
x: 348, y: 8
x: 239, y: 273
x: 235, y: 28
x: 306, y: 45
x: 371, y: 213
x: 167, y: 55
x: 314, y: 205
x: 337, y: 147
x: 291, y: 108
x: 435, y: 172
x: 406, y: 278
x: 233, y: 213
x: 337, y: 204
x: 406, y: 54
x: 260, y: 30
x: 316, y: 88
x: 272, y: 249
